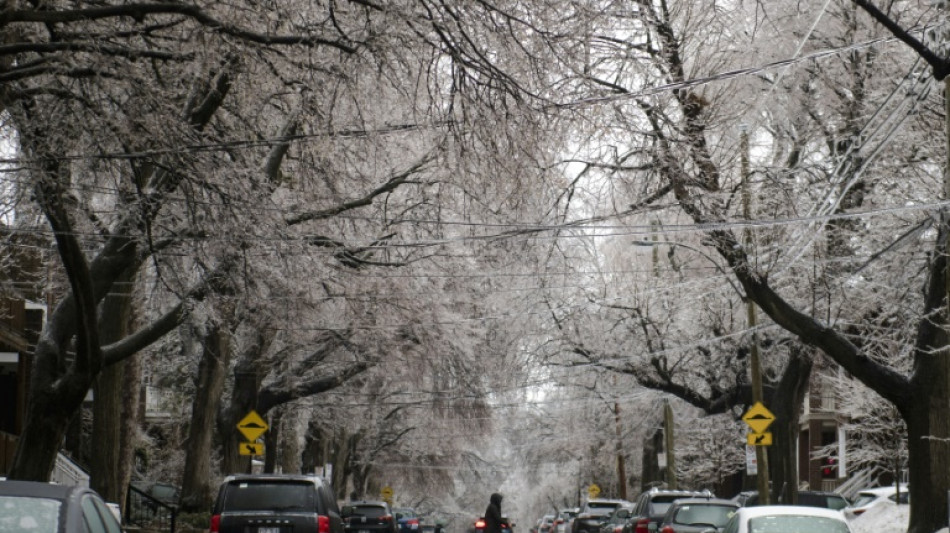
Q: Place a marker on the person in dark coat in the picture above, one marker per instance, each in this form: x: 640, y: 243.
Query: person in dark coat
x: 493, y: 514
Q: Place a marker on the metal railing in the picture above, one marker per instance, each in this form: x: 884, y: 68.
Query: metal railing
x: 148, y: 512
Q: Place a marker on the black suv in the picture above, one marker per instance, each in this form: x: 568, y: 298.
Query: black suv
x: 274, y: 503
x: 368, y: 517
x: 595, y: 513
x: 652, y: 506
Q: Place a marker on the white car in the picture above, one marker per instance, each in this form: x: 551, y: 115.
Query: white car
x: 787, y: 519
x: 868, y: 498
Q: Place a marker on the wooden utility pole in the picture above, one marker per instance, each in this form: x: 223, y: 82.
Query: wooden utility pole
x: 668, y: 444
x: 621, y: 468
x: 761, y: 457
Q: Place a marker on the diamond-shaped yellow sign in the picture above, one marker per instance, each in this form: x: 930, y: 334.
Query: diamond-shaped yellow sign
x: 251, y: 448
x: 252, y: 426
x: 758, y: 417
x: 759, y: 439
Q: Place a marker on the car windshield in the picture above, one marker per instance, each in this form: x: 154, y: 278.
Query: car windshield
x: 863, y: 499
x: 270, y: 495
x: 29, y: 514
x: 796, y: 524
x: 406, y: 512
x: 601, y: 509
x: 716, y: 515
x: 369, y: 511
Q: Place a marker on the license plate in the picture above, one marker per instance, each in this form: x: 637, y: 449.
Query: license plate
x: 268, y: 530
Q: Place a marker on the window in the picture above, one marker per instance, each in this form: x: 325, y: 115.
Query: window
x: 29, y: 514
x: 369, y: 511
x: 244, y: 496
x: 91, y: 516
x: 716, y: 515
x: 796, y: 524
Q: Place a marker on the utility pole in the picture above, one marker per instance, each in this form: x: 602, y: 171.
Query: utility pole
x: 761, y: 457
x: 668, y: 444
x: 621, y: 468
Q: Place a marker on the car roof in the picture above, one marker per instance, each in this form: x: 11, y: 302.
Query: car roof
x: 800, y: 510
x: 274, y: 477
x: 700, y: 501
x: 368, y: 502
x: 37, y: 489
x: 883, y: 490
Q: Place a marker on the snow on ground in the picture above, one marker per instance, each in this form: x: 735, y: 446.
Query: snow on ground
x: 885, y: 516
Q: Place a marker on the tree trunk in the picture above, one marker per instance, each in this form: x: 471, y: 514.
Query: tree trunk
x: 39, y: 442
x: 196, y: 489
x: 106, y: 456
x: 271, y: 441
x: 290, y: 449
x: 786, y: 406
x: 131, y: 418
x: 107, y: 434
x: 247, y: 382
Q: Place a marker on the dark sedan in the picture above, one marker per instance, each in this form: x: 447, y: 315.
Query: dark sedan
x: 368, y: 517
x: 36, y: 506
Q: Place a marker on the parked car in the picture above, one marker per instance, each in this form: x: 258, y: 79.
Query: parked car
x: 546, y: 524
x: 773, y: 518
x: 407, y: 519
x: 595, y: 513
x: 507, y: 526
x: 652, y: 506
x: 869, y: 498
x: 271, y: 503
x: 37, y: 506
x: 562, y: 524
x: 616, y: 520
x: 695, y: 515
x: 808, y: 498
x: 368, y: 517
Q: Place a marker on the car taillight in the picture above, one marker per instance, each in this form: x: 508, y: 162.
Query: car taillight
x: 386, y: 518
x: 618, y: 529
x: 480, y: 524
x: 215, y: 523
x: 667, y: 529
x: 643, y: 525
x: 323, y: 524
x: 413, y: 523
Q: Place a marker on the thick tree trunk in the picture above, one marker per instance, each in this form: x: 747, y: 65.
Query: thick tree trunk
x: 40, y: 440
x: 290, y: 448
x: 271, y: 441
x: 107, y: 434
x: 106, y: 456
x: 196, y: 489
x: 247, y: 382
x: 131, y: 418
x: 786, y: 406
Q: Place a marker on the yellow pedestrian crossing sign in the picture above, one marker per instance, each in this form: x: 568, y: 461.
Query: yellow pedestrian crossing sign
x: 758, y: 418
x: 252, y: 426
x: 252, y: 448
